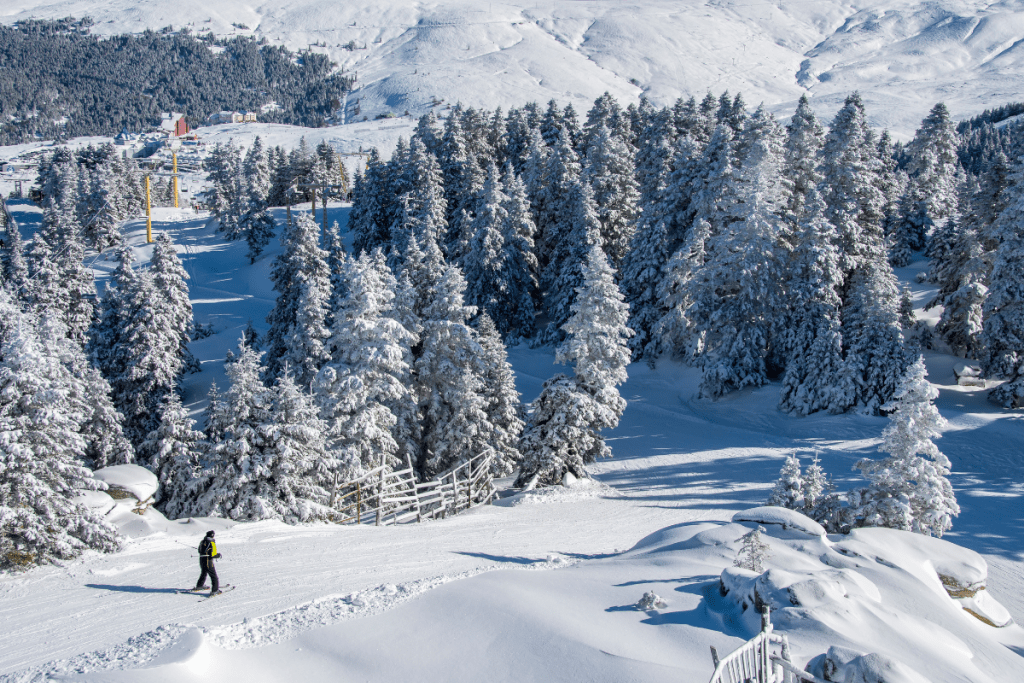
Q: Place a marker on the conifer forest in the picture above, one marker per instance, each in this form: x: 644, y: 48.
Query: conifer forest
x: 759, y: 366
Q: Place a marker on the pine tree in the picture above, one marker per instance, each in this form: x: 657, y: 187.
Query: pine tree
x: 456, y: 427
x: 849, y: 167
x: 171, y: 301
x: 40, y: 522
x: 302, y: 281
x: 306, y: 338
x: 814, y: 338
x: 172, y: 452
x: 932, y: 164
x: 135, y: 347
x: 15, y: 270
x: 562, y: 434
x: 582, y: 232
x: 258, y: 470
x: 367, y: 374
x: 876, y: 356
x: 610, y: 172
x: 1003, y: 311
x: 804, y: 140
x: 789, y: 488
x: 737, y: 305
x: 502, y: 406
x: 754, y: 552
x: 674, y: 332
x: 909, y: 489
x: 516, y: 317
x: 484, y: 259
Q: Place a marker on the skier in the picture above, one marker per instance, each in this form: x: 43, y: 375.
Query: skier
x: 207, y: 554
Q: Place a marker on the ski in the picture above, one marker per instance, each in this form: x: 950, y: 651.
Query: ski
x: 223, y: 589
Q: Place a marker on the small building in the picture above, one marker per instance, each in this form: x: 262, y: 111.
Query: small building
x: 174, y: 123
x: 232, y: 117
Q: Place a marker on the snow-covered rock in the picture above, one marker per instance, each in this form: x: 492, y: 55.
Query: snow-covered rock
x: 784, y: 517
x: 843, y: 665
x: 136, y: 480
x: 96, y: 500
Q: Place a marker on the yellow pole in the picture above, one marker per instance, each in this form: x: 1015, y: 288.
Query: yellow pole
x: 174, y: 155
x: 149, y: 217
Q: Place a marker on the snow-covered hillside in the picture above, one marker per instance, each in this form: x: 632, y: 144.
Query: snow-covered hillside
x: 383, y: 604
x: 902, y: 55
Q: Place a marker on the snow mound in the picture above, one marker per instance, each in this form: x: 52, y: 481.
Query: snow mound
x: 134, y: 479
x: 97, y: 501
x: 578, y: 489
x: 651, y: 601
x: 787, y: 519
x: 848, y: 666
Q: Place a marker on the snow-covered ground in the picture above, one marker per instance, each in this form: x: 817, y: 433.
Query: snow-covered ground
x: 902, y: 55
x: 538, y: 586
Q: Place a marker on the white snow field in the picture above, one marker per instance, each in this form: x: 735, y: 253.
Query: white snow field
x: 902, y: 55
x: 541, y: 586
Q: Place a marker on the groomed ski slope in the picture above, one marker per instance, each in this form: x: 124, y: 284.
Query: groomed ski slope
x: 322, y: 603
x: 902, y: 55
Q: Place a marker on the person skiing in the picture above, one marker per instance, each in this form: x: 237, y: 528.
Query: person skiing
x: 207, y: 554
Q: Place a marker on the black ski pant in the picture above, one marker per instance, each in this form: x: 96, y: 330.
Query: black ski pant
x: 206, y: 564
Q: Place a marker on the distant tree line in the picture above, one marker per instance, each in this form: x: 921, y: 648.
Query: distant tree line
x: 59, y: 81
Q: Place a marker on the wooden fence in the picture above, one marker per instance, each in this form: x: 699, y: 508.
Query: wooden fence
x: 383, y: 497
x: 753, y: 662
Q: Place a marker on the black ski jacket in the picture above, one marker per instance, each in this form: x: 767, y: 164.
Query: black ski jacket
x: 208, y: 549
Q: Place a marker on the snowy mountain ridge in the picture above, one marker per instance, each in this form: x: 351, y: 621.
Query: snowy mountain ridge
x: 902, y: 55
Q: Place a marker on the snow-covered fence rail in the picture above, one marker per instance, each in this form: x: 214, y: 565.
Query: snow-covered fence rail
x: 753, y: 662
x: 383, y: 497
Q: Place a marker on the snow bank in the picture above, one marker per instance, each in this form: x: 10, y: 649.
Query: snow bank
x: 848, y: 666
x: 784, y: 517
x: 134, y: 479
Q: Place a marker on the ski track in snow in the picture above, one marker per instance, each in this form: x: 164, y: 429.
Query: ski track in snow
x: 253, y: 632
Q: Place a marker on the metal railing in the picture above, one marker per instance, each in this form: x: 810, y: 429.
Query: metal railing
x: 753, y: 662
x: 383, y: 497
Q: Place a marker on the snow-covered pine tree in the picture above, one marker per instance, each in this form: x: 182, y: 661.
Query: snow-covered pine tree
x: 502, y: 405
x: 674, y: 333
x: 61, y: 229
x: 754, y: 552
x: 649, y: 249
x: 789, y: 488
x: 876, y: 355
x: 461, y: 180
x: 307, y: 335
x: 367, y: 374
x: 172, y: 452
x: 737, y: 306
x: 892, y: 182
x: 610, y: 171
x: 40, y: 522
x: 449, y: 375
x: 908, y: 489
x: 804, y: 140
x: 295, y: 453
x: 253, y: 472
x: 813, y: 340
x: 15, y: 269
x: 814, y: 486
x: 562, y: 434
x: 174, y: 309
x: 89, y: 396
x: 849, y: 169
x: 302, y: 281
x: 1003, y: 310
x: 133, y: 348
x: 932, y: 164
x: 581, y: 232
x: 483, y: 261
x: 516, y: 316
x: 558, y: 211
